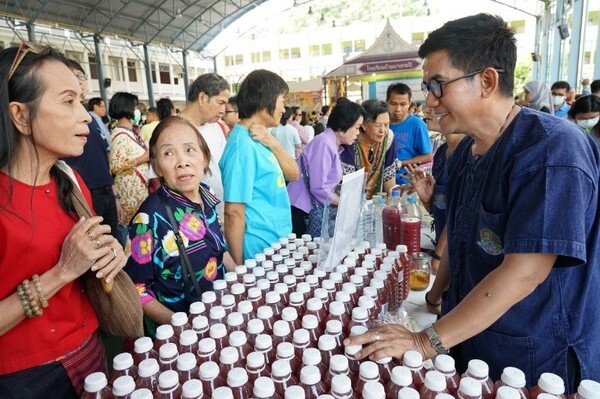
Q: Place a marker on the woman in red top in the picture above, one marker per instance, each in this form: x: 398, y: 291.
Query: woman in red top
x: 48, y: 329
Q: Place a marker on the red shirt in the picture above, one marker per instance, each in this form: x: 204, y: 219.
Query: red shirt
x: 32, y: 230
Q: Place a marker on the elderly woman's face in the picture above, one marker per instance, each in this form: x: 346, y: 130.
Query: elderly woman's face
x: 60, y: 125
x: 179, y: 159
x: 377, y: 130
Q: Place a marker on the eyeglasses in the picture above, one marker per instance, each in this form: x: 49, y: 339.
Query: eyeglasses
x: 435, y: 86
x: 24, y: 48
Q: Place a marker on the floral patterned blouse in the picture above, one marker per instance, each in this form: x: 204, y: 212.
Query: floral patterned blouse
x: 154, y: 264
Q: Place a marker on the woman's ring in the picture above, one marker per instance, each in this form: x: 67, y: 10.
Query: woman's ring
x: 114, y: 252
x: 377, y: 336
x: 91, y: 236
x: 97, y: 244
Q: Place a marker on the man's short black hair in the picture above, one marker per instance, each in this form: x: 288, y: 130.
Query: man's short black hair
x: 94, y: 102
x: 122, y: 105
x: 344, y: 115
x: 325, y: 109
x: 595, y: 87
x: 259, y: 91
x: 164, y: 108
x: 210, y: 84
x: 561, y: 84
x: 398, y: 88
x: 233, y: 102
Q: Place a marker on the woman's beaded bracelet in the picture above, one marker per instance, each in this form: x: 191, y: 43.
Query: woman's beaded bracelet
x: 29, y: 300
x: 24, y: 301
x: 38, y: 287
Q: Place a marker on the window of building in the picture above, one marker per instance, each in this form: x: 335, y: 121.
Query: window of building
x: 255, y: 57
x: 266, y: 56
x: 153, y: 66
x: 314, y: 50
x: 518, y: 26
x: 359, y: 45
x: 326, y: 49
x: 346, y: 46
x: 93, y: 67
x: 295, y: 52
x: 239, y: 59
x: 417, y: 38
x: 228, y: 60
x: 587, y: 57
x: 165, y: 73
x: 284, y: 54
x: 132, y: 70
x: 116, y: 68
x: 593, y: 17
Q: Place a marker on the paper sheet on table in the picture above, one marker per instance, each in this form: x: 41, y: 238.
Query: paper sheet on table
x: 335, y: 248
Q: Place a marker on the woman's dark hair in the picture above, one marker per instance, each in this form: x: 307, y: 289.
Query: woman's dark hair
x: 285, y: 117
x: 344, y: 115
x: 373, y: 108
x: 26, y: 86
x: 305, y: 119
x: 259, y: 91
x: 589, y: 103
x: 172, y: 121
x: 165, y: 108
x: 122, y: 105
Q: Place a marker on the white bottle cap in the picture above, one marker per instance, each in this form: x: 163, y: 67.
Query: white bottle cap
x: 219, y: 285
x: 300, y: 336
x: 285, y: 350
x: 217, y: 313
x: 384, y: 360
x: 209, y: 297
x: 179, y: 319
x: 237, y: 338
x: 333, y: 327
x: 368, y: 370
x: 168, y: 379
x: 370, y: 291
x: 366, y: 301
x: 281, y: 368
x: 327, y: 342
x: 413, y: 359
x: 368, y: 263
x: 546, y: 396
x: 478, y: 368
x: 387, y: 267
x: 589, y: 389
x: 164, y: 331
x: 208, y: 371
x: 361, y: 272
x: 281, y: 328
x: 289, y: 262
x: 303, y: 288
x: 188, y: 337
x: 328, y: 284
x: 401, y: 376
x: 376, y: 283
x: 314, y: 304
x: 470, y: 387
x: 259, y: 271
x: 142, y: 393
x: 358, y: 330
x: 310, y: 375
x: 506, y: 392
x: 230, y: 277
x: 95, y: 382
x: 235, y: 319
x: 294, y: 392
x: 281, y: 288
x: 263, y: 284
x: 229, y: 355
x: 342, y: 269
x: 338, y: 363
x: 241, y: 270
x: 513, y: 377
x: 289, y: 314
x: 393, y: 254
x: 268, y: 265
x: 336, y: 277
x: 443, y: 395
x: 237, y: 289
x: 349, y: 287
x: 260, y: 257
x: 227, y: 300
x: 298, y: 272
x: 217, y: 331
x: 409, y: 393
x: 444, y: 363
x: 249, y: 279
x: 342, y: 296
x: 321, y: 293
x: 123, y: 361
x: 360, y: 314
x: 356, y: 280
x: 306, y: 237
x: 244, y: 307
x: 223, y: 393
x: 296, y: 298
x: 288, y: 279
x: 435, y: 381
x: 350, y: 261
x: 186, y: 361
x: 277, y: 258
x: 255, y: 360
x: 264, y: 312
x: 206, y: 345
x: 373, y: 390
x: 256, y: 326
x: 309, y: 321
x: 250, y: 263
x: 401, y: 248
x: 255, y: 293
x: 192, y: 389
x: 341, y: 384
x: 307, y: 266
x: 272, y: 298
x: 167, y: 351
x: 282, y: 268
x: 147, y: 368
x: 197, y: 307
x: 319, y: 273
x: 311, y: 357
x: 263, y: 342
x: 551, y: 383
x: 269, y: 251
x: 264, y: 388
x: 123, y: 385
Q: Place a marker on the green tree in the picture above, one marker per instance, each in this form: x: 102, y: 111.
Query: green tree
x: 522, y: 75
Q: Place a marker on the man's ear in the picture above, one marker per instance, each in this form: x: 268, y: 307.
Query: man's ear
x: 19, y: 115
x: 202, y: 98
x: 490, y: 81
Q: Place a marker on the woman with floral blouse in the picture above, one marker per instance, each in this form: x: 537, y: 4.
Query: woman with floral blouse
x: 179, y: 155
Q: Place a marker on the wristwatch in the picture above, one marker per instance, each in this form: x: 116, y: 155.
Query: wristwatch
x: 435, y: 340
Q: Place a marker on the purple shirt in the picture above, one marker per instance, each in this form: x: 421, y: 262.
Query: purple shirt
x: 322, y: 159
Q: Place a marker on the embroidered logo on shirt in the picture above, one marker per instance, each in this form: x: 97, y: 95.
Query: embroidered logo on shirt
x: 439, y: 201
x: 490, y: 242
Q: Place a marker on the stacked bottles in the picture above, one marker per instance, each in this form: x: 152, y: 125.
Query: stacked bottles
x: 366, y: 222
x: 392, y: 220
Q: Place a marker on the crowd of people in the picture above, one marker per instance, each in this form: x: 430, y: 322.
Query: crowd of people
x: 184, y: 198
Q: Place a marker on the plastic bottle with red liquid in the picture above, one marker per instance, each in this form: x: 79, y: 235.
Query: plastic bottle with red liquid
x: 505, y: 392
x: 313, y: 357
x: 186, y: 367
x: 350, y: 289
x: 588, y: 389
x: 228, y: 360
x: 367, y: 371
x: 411, y: 225
x: 479, y: 370
x: 329, y: 286
x: 335, y: 329
x: 312, y: 281
x: 268, y: 266
x: 338, y: 365
x: 239, y: 341
x: 367, y: 302
x: 392, y: 220
x: 301, y: 341
x: 255, y: 327
x: 235, y: 322
x: 282, y: 376
x: 337, y: 279
x: 123, y: 387
x: 197, y: 309
x: 358, y: 330
x: 469, y: 388
x: 217, y: 315
x: 551, y: 384
x: 95, y: 386
x: 357, y: 280
x: 514, y: 378
x: 344, y: 298
x: 240, y: 270
x: 403, y: 261
x: 385, y: 365
x: 230, y: 278
x: 256, y: 297
x: 228, y: 302
x: 341, y: 388
x: 259, y: 272
x: 363, y: 274
x: 200, y: 327
x: 209, y: 299
x: 304, y: 289
x: 223, y: 393
x: 167, y: 359
x: 249, y: 280
x: 311, y: 324
x: 414, y: 362
x: 268, y: 252
x: 298, y: 272
x: 256, y: 366
x: 400, y: 378
x: 265, y: 313
x: 290, y: 316
x: 247, y: 311
x: 143, y: 349
x: 237, y: 380
x: 218, y: 332
x: 369, y: 264
x: 285, y: 351
x: 350, y: 352
x: 220, y: 289
x: 411, y: 393
x: 445, y: 364
x: 207, y: 350
x: 281, y: 332
x: 164, y: 334
x: 188, y: 342
x: 372, y: 292
x: 322, y: 295
x: 192, y: 389
x: 273, y: 300
x: 210, y: 377
x: 148, y: 371
x: 122, y: 365
x: 264, y: 345
x: 310, y: 381
x: 321, y: 275
x: 295, y: 392
x: 298, y: 302
x: 435, y: 383
x: 284, y: 291
x: 373, y: 390
x: 238, y: 291
x: 264, y: 388
x: 328, y: 348
x: 168, y: 385
x: 315, y: 307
